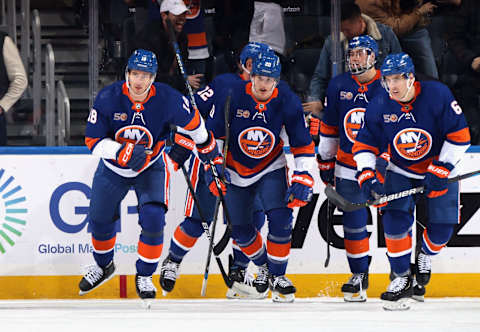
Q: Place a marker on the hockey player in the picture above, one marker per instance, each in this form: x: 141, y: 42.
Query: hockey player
x: 187, y: 233
x: 127, y: 128
x: 348, y: 95
x: 427, y: 134
x: 257, y: 166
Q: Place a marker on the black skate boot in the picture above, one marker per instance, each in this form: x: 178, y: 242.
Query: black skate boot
x: 261, y: 281
x: 168, y: 274
x: 398, y: 293
x: 282, y: 289
x: 145, y: 289
x: 242, y: 287
x: 95, y: 276
x: 418, y: 292
x: 355, y: 289
x: 423, y: 268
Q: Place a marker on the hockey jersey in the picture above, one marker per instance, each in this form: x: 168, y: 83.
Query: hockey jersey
x: 429, y: 126
x: 255, y: 147
x: 344, y: 113
x: 116, y: 116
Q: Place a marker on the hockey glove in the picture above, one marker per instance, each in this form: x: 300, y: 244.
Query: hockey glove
x: 133, y: 156
x: 327, y: 170
x: 369, y: 184
x: 436, y: 179
x: 181, y: 150
x: 314, y: 124
x: 213, y: 164
x: 381, y: 166
x: 301, y: 190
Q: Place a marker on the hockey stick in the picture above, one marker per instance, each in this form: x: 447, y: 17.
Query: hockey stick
x: 217, y: 204
x: 330, y: 207
x: 178, y: 56
x: 347, y: 206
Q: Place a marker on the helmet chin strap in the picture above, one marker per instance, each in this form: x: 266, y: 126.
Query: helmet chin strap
x: 410, y: 82
x: 245, y: 69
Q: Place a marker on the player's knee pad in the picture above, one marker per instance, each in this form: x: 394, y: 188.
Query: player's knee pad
x: 280, y: 222
x: 435, y: 237
x: 102, y: 231
x: 355, y: 219
x: 192, y: 227
x: 397, y: 222
x: 259, y: 219
x: 152, y: 220
x: 243, y: 234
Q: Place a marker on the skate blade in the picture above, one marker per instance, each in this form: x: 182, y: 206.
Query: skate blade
x: 418, y: 298
x: 242, y: 291
x: 355, y: 297
x: 282, y: 298
x: 164, y: 292
x: 400, y: 305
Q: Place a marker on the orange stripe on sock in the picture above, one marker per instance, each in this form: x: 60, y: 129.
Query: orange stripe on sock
x: 149, y: 251
x: 399, y: 245
x: 254, y: 247
x: 105, y: 245
x: 278, y: 249
x: 432, y: 246
x: 184, y: 239
x: 356, y: 247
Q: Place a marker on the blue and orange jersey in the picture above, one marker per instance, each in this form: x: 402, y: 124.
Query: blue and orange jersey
x: 344, y: 112
x: 116, y: 116
x: 195, y: 30
x: 255, y: 146
x: 416, y: 131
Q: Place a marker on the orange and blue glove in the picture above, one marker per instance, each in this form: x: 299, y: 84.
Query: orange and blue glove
x: 133, y: 156
x: 436, y: 180
x: 301, y: 190
x: 327, y: 170
x: 181, y: 150
x: 369, y: 184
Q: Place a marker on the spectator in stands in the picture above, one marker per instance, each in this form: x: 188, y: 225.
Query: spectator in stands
x: 267, y: 25
x: 197, y: 40
x: 409, y: 20
x: 154, y: 37
x: 353, y: 24
x: 464, y: 42
x: 13, y: 81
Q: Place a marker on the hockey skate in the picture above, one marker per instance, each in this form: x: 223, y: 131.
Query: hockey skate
x: 168, y: 275
x: 398, y: 294
x: 355, y: 289
x: 242, y: 287
x: 282, y: 289
x: 423, y: 268
x: 95, y: 276
x: 145, y: 289
x: 261, y: 281
x: 418, y: 292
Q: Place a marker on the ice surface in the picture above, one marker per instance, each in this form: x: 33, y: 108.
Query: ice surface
x: 314, y: 314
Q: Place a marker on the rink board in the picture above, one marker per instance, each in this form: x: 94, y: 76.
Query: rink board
x: 44, y: 241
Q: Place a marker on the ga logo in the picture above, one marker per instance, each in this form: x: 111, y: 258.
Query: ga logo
x: 256, y: 142
x: 412, y: 143
x: 135, y: 134
x: 352, y: 122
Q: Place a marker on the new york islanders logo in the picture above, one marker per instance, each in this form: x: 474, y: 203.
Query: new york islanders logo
x: 256, y: 142
x: 135, y: 134
x: 412, y: 143
x: 352, y: 122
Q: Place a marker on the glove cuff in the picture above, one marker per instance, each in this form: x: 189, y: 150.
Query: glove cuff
x: 364, y: 175
x: 440, y: 169
x: 184, y: 141
x: 125, y: 153
x: 325, y: 165
x: 303, y: 178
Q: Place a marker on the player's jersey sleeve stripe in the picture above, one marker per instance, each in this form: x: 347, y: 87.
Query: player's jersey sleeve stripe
x: 346, y: 158
x: 461, y: 136
x: 194, y: 123
x: 306, y: 150
x: 90, y: 142
x: 246, y: 171
x: 361, y: 147
x: 327, y: 130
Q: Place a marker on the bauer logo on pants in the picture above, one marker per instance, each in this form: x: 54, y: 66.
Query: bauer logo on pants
x: 12, y: 211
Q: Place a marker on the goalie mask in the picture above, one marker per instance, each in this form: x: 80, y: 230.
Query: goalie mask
x: 362, y: 54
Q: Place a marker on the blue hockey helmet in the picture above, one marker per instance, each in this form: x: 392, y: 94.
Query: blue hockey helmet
x: 399, y: 63
x: 267, y: 64
x: 370, y: 46
x: 143, y: 60
x: 251, y: 50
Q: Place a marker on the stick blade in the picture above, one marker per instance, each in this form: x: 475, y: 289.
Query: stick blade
x: 336, y: 199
